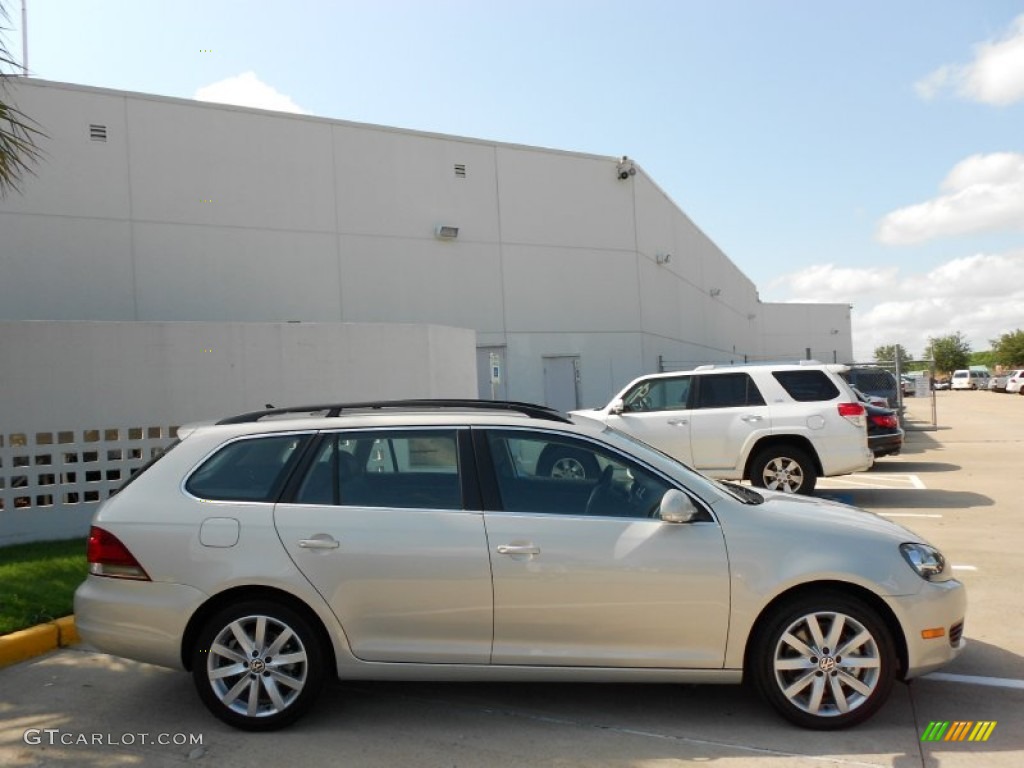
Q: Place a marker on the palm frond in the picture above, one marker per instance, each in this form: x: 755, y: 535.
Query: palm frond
x: 18, y: 132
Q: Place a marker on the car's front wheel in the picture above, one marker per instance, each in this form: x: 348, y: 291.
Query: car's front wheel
x: 258, y: 665
x: 567, y: 464
x: 825, y: 662
x: 784, y: 468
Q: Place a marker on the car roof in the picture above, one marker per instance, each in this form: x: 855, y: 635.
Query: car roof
x: 398, y: 414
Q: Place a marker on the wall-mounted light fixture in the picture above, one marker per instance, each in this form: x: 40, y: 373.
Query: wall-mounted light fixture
x: 715, y: 292
x: 662, y: 258
x: 446, y: 232
x: 834, y: 331
x: 751, y: 316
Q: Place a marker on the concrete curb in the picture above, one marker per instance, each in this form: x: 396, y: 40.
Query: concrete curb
x: 37, y: 640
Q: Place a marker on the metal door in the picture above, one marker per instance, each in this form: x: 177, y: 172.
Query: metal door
x: 562, y: 382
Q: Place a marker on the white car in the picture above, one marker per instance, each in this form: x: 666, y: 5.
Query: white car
x: 779, y: 426
x: 966, y: 379
x: 418, y: 541
x: 1014, y: 382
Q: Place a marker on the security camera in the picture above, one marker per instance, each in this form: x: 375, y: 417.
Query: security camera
x: 626, y: 168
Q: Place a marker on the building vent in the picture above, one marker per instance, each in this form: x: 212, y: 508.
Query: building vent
x: 97, y: 132
x: 460, y: 170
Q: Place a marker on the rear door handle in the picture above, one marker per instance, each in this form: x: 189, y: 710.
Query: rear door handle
x: 677, y: 422
x: 751, y: 418
x: 518, y: 549
x: 326, y: 543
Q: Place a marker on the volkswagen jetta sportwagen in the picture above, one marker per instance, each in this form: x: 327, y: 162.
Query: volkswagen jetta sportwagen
x: 425, y: 540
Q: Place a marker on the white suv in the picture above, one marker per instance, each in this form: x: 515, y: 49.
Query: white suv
x: 779, y: 426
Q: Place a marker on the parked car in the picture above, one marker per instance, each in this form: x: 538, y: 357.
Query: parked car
x: 1014, y: 382
x: 885, y: 436
x: 873, y: 381
x: 941, y: 383
x: 909, y: 386
x: 997, y: 383
x: 778, y: 426
x: 967, y: 379
x: 419, y: 541
x: 864, y: 397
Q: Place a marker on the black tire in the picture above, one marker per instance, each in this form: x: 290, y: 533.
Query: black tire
x: 784, y: 468
x: 811, y: 684
x: 222, y: 665
x: 559, y: 461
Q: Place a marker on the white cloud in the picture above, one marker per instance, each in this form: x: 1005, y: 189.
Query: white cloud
x: 247, y: 90
x: 980, y: 295
x: 983, y: 193
x: 995, y: 76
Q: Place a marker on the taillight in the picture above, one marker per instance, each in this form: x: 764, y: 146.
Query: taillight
x: 853, y: 412
x: 107, y: 556
x: 887, y: 420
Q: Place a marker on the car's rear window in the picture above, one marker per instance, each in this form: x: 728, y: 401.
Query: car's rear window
x: 807, y: 386
x: 252, y: 469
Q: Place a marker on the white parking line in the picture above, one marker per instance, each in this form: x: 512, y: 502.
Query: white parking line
x: 873, y: 481
x: 908, y: 514
x: 965, y: 567
x: 993, y: 682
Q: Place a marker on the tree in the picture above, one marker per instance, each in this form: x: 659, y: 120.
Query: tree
x: 1008, y: 349
x: 887, y: 354
x: 18, y: 150
x: 950, y: 352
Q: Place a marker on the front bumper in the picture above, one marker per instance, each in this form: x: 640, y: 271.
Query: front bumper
x: 938, y: 605
x: 140, y: 620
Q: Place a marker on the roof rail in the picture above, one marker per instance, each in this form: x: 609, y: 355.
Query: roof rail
x: 756, y: 364
x: 336, y: 409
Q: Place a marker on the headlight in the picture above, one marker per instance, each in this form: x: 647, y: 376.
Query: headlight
x: 926, y: 560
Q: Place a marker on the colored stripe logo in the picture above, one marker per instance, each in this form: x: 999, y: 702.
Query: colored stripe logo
x: 958, y: 730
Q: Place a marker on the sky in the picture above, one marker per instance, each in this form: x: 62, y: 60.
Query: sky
x: 868, y: 153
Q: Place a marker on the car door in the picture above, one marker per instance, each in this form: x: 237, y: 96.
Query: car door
x: 379, y: 524
x: 657, y: 411
x: 728, y: 413
x: 584, y: 572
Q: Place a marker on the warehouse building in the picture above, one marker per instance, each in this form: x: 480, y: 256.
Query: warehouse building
x: 573, y: 272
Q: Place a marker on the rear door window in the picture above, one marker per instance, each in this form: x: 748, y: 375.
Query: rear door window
x: 398, y: 469
x: 727, y: 390
x: 807, y: 386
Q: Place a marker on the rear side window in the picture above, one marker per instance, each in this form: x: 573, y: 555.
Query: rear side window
x: 727, y: 390
x: 253, y: 469
x: 807, y: 386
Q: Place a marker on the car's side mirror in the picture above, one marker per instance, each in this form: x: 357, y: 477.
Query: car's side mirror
x: 617, y: 407
x: 676, y: 507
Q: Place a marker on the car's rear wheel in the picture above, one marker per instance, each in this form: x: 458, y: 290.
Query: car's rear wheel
x: 825, y: 662
x: 784, y: 468
x: 258, y: 665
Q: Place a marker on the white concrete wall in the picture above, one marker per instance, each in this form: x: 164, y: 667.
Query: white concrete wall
x: 789, y: 329
x: 84, y: 403
x: 202, y: 212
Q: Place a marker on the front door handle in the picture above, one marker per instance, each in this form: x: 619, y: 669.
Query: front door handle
x: 677, y: 422
x: 751, y: 418
x: 325, y: 543
x: 518, y: 549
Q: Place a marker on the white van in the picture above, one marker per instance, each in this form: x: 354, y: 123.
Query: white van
x: 964, y: 379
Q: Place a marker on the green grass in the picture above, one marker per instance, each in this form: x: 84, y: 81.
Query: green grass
x: 38, y: 581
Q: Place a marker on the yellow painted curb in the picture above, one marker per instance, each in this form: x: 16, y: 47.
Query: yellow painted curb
x: 37, y: 640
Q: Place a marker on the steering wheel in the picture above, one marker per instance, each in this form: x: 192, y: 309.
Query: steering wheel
x: 602, y: 492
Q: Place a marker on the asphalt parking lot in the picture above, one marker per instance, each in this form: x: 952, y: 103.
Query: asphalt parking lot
x: 957, y: 485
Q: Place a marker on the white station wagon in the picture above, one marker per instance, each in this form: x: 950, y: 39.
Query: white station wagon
x: 417, y: 540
